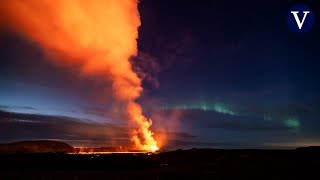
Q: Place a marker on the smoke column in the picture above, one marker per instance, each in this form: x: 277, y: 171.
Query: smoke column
x: 99, y: 36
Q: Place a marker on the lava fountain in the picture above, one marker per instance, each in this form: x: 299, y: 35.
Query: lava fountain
x: 97, y: 36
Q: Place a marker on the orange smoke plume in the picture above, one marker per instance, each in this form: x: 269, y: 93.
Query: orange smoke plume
x: 99, y: 36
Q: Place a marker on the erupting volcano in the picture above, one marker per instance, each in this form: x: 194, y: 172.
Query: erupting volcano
x: 97, y: 36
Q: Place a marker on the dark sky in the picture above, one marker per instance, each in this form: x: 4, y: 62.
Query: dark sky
x: 216, y: 74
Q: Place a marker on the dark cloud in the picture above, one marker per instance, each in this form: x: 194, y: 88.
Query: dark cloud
x: 147, y: 68
x: 19, y: 126
x: 3, y: 107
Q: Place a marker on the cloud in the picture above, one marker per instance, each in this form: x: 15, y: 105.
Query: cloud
x: 77, y: 132
x: 3, y: 107
x: 19, y: 126
x: 147, y: 68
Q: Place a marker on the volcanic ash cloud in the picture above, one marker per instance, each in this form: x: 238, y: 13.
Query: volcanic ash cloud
x: 97, y: 36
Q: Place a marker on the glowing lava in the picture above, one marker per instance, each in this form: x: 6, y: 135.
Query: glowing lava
x: 142, y: 136
x: 97, y: 36
x: 154, y: 148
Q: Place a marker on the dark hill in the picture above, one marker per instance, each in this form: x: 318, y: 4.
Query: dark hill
x: 43, y: 146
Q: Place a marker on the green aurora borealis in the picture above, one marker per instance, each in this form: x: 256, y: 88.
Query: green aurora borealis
x: 290, y: 122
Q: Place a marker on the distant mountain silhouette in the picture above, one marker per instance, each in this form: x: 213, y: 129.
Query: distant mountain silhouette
x: 43, y: 146
x: 309, y: 148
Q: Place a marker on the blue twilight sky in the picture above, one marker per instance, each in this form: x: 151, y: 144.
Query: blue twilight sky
x: 219, y: 74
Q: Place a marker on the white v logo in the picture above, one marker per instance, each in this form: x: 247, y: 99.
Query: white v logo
x: 295, y: 14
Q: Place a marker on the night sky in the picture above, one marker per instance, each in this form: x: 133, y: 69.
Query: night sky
x: 215, y: 74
